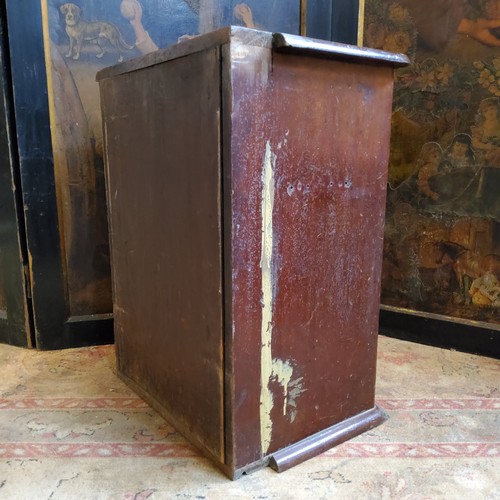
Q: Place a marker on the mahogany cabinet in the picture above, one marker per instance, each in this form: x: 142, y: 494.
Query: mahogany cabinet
x: 246, y: 180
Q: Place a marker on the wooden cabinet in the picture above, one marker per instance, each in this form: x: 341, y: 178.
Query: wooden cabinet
x: 246, y: 178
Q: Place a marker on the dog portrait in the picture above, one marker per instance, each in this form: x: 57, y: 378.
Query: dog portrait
x: 100, y: 33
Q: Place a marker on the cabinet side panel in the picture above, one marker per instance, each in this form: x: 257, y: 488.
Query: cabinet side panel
x: 310, y: 140
x: 163, y: 179
x: 329, y: 152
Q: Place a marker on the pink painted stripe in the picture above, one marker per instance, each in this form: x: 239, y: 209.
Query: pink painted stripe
x: 134, y: 402
x: 415, y: 450
x: 70, y: 403
x: 440, y: 404
x: 96, y: 450
x: 181, y: 450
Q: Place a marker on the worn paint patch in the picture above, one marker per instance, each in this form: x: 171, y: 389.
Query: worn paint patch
x: 282, y: 373
x: 271, y: 369
x: 295, y: 389
x: 253, y: 61
x: 266, y: 359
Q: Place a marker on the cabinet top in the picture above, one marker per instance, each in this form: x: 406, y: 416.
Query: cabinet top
x: 280, y: 42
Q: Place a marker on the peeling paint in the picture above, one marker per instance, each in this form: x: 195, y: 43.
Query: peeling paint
x: 282, y: 372
x: 292, y: 389
x: 295, y: 389
x: 266, y: 365
x: 277, y: 370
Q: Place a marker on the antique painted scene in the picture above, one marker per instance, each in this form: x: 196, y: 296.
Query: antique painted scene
x: 81, y: 38
x: 442, y: 239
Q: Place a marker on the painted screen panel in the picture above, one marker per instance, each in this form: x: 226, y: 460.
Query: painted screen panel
x: 442, y: 238
x: 80, y: 39
x: 14, y: 324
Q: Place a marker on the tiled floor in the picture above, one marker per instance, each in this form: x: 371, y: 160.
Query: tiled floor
x: 69, y: 429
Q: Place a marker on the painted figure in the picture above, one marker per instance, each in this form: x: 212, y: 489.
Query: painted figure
x: 132, y: 11
x: 243, y: 13
x: 491, y: 10
x: 486, y: 131
x: 468, y: 265
x: 428, y: 164
x: 485, y: 291
x: 437, y: 21
x: 459, y: 154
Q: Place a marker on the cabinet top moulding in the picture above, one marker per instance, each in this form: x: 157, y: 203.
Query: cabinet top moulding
x: 278, y: 41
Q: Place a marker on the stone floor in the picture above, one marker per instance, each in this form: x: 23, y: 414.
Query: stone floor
x: 70, y: 429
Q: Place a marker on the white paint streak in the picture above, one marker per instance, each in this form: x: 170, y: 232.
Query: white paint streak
x: 295, y: 389
x: 271, y: 369
x: 266, y: 359
x: 283, y: 371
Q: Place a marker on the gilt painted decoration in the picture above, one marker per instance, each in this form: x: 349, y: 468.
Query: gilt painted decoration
x: 80, y: 39
x: 442, y: 240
